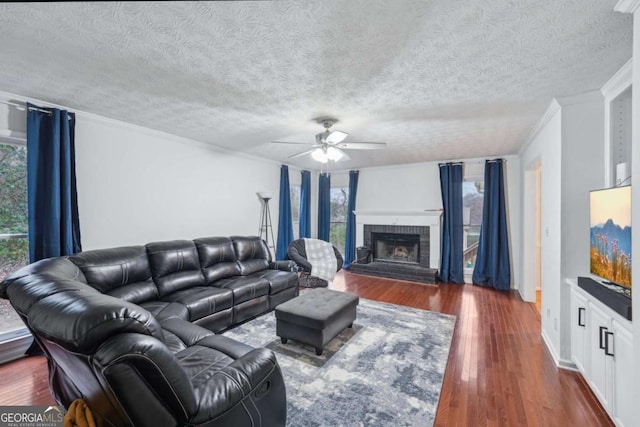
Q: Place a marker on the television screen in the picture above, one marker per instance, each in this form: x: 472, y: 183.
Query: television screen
x: 610, y: 255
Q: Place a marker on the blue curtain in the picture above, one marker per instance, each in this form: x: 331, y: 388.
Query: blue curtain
x: 285, y: 224
x: 324, y: 206
x: 54, y: 226
x: 492, y: 263
x: 305, y: 205
x: 451, y: 265
x: 350, y: 245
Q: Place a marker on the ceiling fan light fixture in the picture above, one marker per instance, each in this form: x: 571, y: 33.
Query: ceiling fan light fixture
x: 334, y: 154
x: 320, y: 155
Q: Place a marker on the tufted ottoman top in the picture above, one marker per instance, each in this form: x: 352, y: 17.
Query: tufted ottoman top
x: 316, y: 308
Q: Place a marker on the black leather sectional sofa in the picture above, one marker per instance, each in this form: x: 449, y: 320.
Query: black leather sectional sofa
x: 132, y: 330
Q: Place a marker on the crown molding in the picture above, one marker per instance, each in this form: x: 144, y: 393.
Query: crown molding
x: 581, y: 98
x: 133, y: 127
x: 620, y: 81
x: 552, y: 109
x: 626, y: 6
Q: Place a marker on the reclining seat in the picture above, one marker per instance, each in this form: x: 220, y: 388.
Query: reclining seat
x: 254, y: 259
x: 175, y: 268
x: 223, y: 268
x: 133, y: 370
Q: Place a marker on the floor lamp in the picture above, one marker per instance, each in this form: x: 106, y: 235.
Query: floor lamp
x: 265, y: 228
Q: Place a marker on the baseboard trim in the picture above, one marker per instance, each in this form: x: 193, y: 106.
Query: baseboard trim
x: 551, y: 348
x: 568, y: 365
x: 560, y: 362
x: 14, y: 348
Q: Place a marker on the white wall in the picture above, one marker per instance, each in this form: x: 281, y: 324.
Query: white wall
x: 137, y: 185
x: 569, y: 145
x: 544, y: 148
x: 582, y: 171
x: 635, y: 199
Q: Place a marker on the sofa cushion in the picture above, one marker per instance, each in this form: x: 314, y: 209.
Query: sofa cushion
x: 202, y: 301
x: 253, y: 255
x: 81, y: 320
x: 217, y: 258
x: 244, y: 288
x: 120, y: 272
x: 174, y: 265
x: 278, y: 280
x: 163, y: 310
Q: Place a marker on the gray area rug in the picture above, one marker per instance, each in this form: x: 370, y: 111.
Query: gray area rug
x: 386, y: 371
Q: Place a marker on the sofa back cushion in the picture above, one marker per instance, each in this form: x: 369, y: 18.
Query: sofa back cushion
x: 174, y: 265
x: 120, y: 272
x: 217, y: 258
x: 253, y: 255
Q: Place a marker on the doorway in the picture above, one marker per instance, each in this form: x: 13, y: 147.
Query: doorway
x: 532, y: 283
x: 538, y: 239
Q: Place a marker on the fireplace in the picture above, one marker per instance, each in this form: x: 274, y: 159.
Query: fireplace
x: 396, y: 247
x: 401, y: 244
x: 399, y: 252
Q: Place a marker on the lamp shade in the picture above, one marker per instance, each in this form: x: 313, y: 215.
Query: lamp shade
x: 334, y: 154
x: 320, y: 155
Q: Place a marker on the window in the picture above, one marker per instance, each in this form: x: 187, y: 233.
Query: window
x: 472, y: 205
x: 14, y: 246
x: 294, y: 193
x: 338, y: 227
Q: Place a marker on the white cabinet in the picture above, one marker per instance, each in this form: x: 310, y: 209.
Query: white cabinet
x: 602, y: 349
x: 579, y: 331
x: 623, y: 373
x: 600, y: 375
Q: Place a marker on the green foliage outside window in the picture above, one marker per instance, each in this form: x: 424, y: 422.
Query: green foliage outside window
x: 13, y: 207
x: 338, y: 227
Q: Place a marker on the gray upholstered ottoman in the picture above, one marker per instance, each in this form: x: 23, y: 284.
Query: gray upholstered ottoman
x: 316, y: 317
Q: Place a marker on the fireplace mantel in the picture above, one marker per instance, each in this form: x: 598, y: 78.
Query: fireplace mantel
x: 429, y: 218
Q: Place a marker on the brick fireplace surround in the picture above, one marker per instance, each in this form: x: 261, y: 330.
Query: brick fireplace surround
x: 426, y: 226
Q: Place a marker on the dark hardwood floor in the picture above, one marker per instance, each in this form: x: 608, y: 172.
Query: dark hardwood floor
x: 499, y: 372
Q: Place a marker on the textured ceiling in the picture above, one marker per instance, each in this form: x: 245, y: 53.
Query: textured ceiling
x: 435, y: 79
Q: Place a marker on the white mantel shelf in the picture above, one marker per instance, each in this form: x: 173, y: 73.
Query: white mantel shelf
x: 429, y: 212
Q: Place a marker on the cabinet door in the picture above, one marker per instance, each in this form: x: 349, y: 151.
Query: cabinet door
x: 579, y: 335
x: 622, y: 343
x: 600, y: 365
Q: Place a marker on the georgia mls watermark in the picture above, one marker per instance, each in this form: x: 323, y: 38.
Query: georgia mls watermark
x: 31, y: 416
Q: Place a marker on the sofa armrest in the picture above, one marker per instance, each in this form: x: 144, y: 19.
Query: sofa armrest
x: 286, y: 265
x: 254, y: 377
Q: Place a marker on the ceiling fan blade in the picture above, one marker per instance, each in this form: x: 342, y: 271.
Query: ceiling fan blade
x: 336, y: 136
x: 290, y: 142
x: 362, y: 145
x: 293, y: 156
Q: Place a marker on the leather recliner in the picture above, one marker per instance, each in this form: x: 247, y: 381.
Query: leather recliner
x: 121, y: 329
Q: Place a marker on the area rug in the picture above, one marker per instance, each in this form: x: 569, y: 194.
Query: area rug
x: 386, y: 371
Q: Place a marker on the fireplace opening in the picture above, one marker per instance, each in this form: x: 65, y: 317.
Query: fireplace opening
x: 396, y: 247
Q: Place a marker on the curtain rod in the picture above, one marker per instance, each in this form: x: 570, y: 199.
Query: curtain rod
x: 23, y: 106
x: 477, y: 162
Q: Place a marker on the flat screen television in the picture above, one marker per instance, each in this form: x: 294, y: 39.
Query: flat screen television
x: 610, y: 254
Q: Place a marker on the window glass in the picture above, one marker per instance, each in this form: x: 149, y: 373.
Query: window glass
x: 14, y: 246
x: 472, y: 205
x: 338, y: 226
x: 294, y: 192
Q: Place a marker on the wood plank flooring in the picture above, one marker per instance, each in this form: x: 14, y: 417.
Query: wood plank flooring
x: 499, y: 372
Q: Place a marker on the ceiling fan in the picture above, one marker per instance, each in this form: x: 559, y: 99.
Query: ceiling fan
x: 330, y: 144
